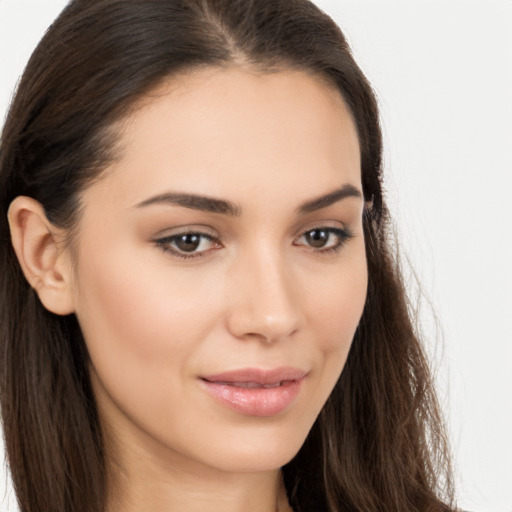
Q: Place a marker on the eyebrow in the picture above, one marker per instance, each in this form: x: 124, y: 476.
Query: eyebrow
x: 211, y: 204
x: 329, y: 199
x: 195, y: 202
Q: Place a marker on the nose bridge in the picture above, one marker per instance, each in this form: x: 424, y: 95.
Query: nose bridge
x: 264, y: 304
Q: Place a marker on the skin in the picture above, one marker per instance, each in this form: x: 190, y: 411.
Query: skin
x: 259, y: 294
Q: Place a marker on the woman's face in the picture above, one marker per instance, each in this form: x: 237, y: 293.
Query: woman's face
x: 221, y: 269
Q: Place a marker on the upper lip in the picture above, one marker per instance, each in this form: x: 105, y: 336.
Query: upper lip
x: 257, y: 375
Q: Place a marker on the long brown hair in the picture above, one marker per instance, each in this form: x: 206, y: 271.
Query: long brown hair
x: 378, y: 443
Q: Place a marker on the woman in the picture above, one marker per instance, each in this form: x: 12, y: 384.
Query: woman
x: 201, y: 309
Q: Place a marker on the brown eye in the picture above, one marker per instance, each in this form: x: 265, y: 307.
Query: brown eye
x: 188, y: 242
x: 317, y: 237
x: 324, y: 239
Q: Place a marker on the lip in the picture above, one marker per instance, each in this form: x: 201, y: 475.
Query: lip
x: 256, y: 391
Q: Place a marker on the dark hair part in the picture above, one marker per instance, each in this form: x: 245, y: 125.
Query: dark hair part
x: 378, y: 444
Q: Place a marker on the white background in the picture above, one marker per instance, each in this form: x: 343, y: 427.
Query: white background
x: 443, y: 75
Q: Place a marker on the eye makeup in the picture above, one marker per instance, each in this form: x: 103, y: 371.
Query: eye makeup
x: 195, y: 244
x: 188, y: 244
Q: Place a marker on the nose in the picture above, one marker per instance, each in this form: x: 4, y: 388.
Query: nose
x: 264, y: 303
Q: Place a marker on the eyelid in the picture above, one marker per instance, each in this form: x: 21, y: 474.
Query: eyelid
x: 184, y: 229
x: 319, y: 224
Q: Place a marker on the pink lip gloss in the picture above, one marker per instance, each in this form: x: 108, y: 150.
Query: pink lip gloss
x: 256, y: 392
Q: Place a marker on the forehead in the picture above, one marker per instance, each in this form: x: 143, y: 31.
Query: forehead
x: 227, y: 132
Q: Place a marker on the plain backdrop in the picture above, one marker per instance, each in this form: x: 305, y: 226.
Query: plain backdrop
x: 443, y: 75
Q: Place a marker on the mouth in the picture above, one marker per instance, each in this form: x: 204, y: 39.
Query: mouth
x: 256, y: 392
x: 252, y: 385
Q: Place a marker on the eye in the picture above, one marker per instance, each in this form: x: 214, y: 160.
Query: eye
x: 324, y: 239
x: 188, y: 244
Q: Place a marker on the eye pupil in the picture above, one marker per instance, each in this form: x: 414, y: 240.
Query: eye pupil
x: 317, y: 237
x: 188, y: 242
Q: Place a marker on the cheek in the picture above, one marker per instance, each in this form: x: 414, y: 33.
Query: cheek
x: 335, y: 310
x: 337, y: 304
x: 136, y: 319
x: 142, y: 331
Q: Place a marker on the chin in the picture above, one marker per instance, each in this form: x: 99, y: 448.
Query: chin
x: 255, y: 449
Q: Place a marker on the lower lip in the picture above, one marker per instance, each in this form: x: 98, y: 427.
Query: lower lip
x: 255, y: 401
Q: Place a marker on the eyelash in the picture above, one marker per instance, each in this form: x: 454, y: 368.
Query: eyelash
x: 343, y: 234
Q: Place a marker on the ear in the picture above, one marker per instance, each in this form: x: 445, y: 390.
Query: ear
x: 43, y: 259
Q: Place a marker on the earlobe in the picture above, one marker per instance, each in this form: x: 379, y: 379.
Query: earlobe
x: 44, y: 262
